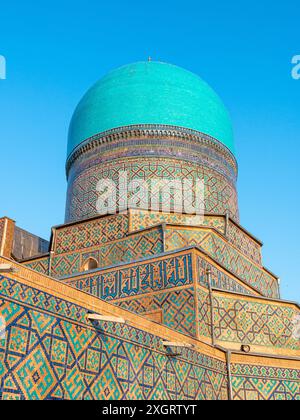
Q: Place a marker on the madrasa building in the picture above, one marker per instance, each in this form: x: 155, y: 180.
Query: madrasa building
x: 146, y: 302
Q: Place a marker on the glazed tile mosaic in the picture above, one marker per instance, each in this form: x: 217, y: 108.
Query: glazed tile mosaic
x: 140, y: 304
x: 51, y: 353
x: 139, y: 278
x: 204, y: 313
x: 219, y: 279
x: 89, y: 234
x: 175, y: 309
x: 215, y: 246
x: 242, y: 241
x: 249, y: 321
x: 140, y: 219
x: 220, y: 195
x: 265, y: 383
x: 41, y: 265
x: 131, y: 248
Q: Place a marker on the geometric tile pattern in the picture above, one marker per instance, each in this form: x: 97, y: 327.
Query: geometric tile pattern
x: 255, y: 276
x: 123, y: 250
x: 248, y: 321
x: 244, y: 243
x: 204, y: 313
x: 40, y: 265
x: 62, y: 265
x: 105, y: 230
x: 140, y: 278
x: 177, y: 308
x: 52, y: 353
x: 236, y: 320
x: 220, y: 193
x: 140, y: 219
x: 153, y: 140
x: 251, y: 382
x: 90, y: 233
x: 219, y: 279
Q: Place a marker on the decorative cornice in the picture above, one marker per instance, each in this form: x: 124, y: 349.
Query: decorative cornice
x: 144, y: 131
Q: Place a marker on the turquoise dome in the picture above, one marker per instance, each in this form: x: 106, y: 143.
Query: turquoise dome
x: 150, y: 93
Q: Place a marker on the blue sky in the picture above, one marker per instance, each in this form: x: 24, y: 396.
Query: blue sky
x: 56, y: 50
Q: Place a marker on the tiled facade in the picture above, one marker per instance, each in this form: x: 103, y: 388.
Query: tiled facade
x: 254, y: 321
x: 41, y: 265
x: 226, y: 255
x: 219, y: 278
x: 137, y: 278
x: 115, y: 239
x: 90, y: 234
x: 248, y: 246
x: 130, y: 248
x: 260, y: 383
x: 155, y: 265
x: 175, y: 290
x: 149, y: 153
x: 175, y: 309
x: 220, y: 195
x: 52, y: 351
x: 183, y: 278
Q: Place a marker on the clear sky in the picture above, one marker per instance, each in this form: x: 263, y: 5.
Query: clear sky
x: 243, y: 49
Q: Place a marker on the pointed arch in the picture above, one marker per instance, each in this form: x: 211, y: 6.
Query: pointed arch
x: 89, y: 264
